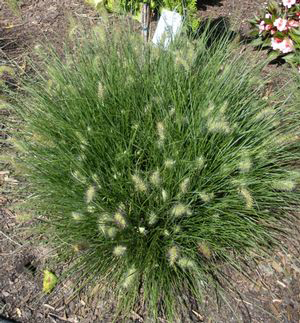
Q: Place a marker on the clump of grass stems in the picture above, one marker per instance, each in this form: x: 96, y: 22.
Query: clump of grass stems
x: 150, y: 167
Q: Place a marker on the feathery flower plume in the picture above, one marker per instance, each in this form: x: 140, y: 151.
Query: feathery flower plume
x: 111, y: 232
x: 209, y: 110
x: 172, y: 112
x: 206, y: 197
x: 102, y: 222
x: 286, y: 139
x: 155, y: 178
x: 147, y: 108
x: 199, y: 162
x: 80, y: 246
x: 152, y: 218
x: 119, y: 250
x: 284, y: 185
x: 218, y: 125
x: 82, y: 157
x: 122, y: 207
x: 119, y: 218
x: 139, y: 184
x: 90, y: 194
x: 169, y: 163
x: 172, y: 255
x: 186, y: 263
x: 164, y: 195
x: 76, y: 247
x: 247, y: 196
x: 166, y: 233
x: 142, y: 230
x: 160, y: 131
x: 77, y: 216
x: 180, y: 209
x: 130, y: 276
x: 245, y: 164
x: 204, y: 250
x: 184, y: 185
x: 267, y: 112
x: 91, y: 208
x: 100, y: 90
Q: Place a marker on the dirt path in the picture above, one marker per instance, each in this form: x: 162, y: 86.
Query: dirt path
x: 272, y: 296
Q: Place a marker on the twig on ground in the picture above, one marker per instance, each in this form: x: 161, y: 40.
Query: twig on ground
x: 62, y: 318
x: 199, y: 316
x: 7, y: 237
x: 137, y: 316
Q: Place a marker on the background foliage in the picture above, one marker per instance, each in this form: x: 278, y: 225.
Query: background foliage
x: 187, y: 8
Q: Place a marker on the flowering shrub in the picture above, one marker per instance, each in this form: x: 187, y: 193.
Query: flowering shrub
x: 279, y: 28
x: 149, y: 169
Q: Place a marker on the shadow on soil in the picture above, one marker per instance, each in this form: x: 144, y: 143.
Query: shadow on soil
x: 203, y: 4
x: 217, y: 29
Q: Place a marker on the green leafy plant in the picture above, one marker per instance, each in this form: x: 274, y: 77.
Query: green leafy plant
x: 278, y: 28
x: 187, y: 8
x: 152, y: 168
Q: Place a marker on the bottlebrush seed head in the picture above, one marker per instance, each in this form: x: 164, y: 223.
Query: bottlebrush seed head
x: 284, y: 185
x: 139, y: 184
x: 247, y: 196
x: 129, y: 277
x: 77, y: 216
x: 152, y: 218
x: 245, y: 164
x: 119, y: 250
x: 169, y: 163
x: 180, y: 209
x: 164, y: 195
x: 199, y: 162
x: 155, y: 178
x: 206, y: 197
x: 184, y: 185
x: 120, y: 220
x: 172, y: 255
x: 90, y: 194
x: 186, y: 263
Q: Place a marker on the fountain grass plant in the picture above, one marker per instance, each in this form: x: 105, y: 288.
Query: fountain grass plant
x: 152, y: 168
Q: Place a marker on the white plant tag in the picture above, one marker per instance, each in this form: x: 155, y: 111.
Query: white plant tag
x: 169, y: 25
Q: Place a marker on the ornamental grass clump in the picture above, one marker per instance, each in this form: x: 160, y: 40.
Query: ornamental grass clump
x: 151, y: 168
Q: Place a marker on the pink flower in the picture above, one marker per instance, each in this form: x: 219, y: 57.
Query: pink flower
x: 261, y: 26
x: 281, y: 24
x: 293, y: 23
x: 268, y: 27
x: 288, y: 3
x: 273, y: 32
x: 285, y: 45
x: 268, y: 16
x: 276, y: 43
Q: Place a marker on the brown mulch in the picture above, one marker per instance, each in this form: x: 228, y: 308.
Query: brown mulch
x: 273, y: 295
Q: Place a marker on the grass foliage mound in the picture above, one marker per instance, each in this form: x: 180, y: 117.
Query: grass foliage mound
x: 151, y: 168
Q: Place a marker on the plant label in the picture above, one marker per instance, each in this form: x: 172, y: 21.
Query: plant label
x: 169, y: 25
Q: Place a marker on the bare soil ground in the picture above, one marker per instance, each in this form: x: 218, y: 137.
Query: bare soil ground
x: 272, y: 294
